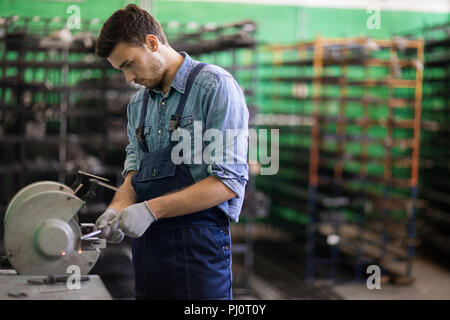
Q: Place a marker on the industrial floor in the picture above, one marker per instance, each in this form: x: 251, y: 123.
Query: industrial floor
x: 432, y: 281
x: 277, y: 275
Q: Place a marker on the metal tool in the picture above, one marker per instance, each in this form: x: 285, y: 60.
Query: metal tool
x: 35, y: 293
x: 92, y: 175
x: 18, y: 294
x: 90, y: 234
x: 94, y: 180
x: 42, y: 232
x: 105, y: 185
x: 60, y: 290
x: 93, y: 188
x: 79, y: 178
x: 51, y: 279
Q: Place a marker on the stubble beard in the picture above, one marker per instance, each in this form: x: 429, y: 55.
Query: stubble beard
x: 156, y: 68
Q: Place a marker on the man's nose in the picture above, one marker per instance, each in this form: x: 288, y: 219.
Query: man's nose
x: 129, y: 77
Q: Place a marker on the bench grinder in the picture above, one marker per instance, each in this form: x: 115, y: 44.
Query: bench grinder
x: 42, y: 232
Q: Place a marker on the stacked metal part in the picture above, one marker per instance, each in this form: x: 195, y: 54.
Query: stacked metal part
x: 349, y: 117
x: 199, y: 39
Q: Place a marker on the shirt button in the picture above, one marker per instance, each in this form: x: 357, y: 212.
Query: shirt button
x: 163, y: 103
x: 159, y: 131
x: 226, y: 247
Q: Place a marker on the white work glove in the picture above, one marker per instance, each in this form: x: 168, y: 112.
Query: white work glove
x: 108, y: 222
x: 135, y: 219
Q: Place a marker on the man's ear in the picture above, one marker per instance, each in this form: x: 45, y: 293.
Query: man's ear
x: 152, y: 42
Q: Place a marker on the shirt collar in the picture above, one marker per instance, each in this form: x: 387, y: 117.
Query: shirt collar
x: 179, y: 82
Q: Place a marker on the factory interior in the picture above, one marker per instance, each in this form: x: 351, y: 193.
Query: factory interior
x: 348, y: 191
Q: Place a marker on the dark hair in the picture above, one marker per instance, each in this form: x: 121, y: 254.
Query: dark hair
x: 130, y: 25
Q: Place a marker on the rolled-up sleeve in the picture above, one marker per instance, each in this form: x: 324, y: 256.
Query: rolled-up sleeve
x: 131, y: 162
x: 228, y: 112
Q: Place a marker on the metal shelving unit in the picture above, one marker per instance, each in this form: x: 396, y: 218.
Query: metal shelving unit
x: 434, y: 168
x: 354, y: 106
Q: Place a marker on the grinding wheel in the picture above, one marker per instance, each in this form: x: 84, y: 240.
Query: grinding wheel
x: 42, y: 234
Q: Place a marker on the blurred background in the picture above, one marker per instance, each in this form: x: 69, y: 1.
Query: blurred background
x: 359, y: 94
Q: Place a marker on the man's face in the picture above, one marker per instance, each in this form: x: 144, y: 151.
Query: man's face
x: 139, y: 64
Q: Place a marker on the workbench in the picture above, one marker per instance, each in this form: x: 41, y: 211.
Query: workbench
x: 16, y: 287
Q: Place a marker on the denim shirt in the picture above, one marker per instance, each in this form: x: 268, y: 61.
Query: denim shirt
x: 215, y: 102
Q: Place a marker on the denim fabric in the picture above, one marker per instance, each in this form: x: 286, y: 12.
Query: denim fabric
x: 183, y: 258
x: 215, y: 102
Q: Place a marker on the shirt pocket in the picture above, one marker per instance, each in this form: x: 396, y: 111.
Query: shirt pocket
x: 187, y: 122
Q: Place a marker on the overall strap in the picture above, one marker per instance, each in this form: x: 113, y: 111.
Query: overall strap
x: 175, y: 118
x: 140, y: 135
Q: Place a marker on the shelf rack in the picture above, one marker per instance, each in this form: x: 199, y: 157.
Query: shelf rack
x: 349, y: 115
x: 434, y: 168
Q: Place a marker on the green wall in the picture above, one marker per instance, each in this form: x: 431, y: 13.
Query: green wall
x: 89, y: 8
x: 276, y: 23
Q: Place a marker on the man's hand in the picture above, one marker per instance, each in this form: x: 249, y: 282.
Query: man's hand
x: 135, y: 219
x: 108, y: 222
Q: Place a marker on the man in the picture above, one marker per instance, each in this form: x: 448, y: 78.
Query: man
x: 178, y: 214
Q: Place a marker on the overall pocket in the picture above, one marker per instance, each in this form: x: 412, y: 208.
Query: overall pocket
x: 158, y: 175
x: 156, y: 165
x: 208, y: 262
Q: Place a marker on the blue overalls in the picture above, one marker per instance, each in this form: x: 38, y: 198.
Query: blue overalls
x: 185, y: 257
